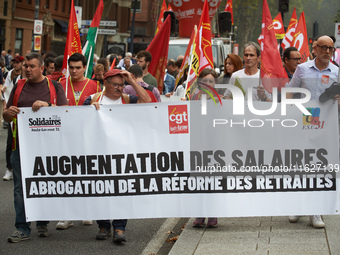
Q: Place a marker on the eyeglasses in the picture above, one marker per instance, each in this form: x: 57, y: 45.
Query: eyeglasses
x: 115, y: 85
x: 324, y: 48
x: 296, y: 59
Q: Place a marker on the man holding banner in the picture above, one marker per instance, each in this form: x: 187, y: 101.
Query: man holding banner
x: 36, y: 91
x: 316, y: 76
x: 113, y: 94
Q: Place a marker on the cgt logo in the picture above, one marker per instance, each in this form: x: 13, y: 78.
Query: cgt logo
x: 178, y: 119
x: 312, y: 121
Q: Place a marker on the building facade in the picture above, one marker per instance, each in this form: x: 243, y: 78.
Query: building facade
x: 17, y: 23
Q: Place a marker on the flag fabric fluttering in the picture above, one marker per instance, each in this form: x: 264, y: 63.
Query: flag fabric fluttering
x: 91, y: 39
x: 186, y: 59
x: 278, y: 27
x: 229, y: 8
x: 160, y: 54
x: 161, y: 16
x: 73, y: 43
x: 288, y: 39
x: 272, y: 71
x: 201, y: 56
x: 300, y: 40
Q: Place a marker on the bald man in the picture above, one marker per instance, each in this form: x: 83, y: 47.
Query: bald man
x: 316, y: 76
x: 319, y: 74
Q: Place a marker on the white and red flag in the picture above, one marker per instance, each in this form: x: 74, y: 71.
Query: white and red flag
x: 300, y: 40
x: 278, y: 27
x: 288, y: 39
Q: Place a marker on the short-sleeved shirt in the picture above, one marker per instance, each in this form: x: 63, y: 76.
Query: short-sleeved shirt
x: 32, y: 92
x: 308, y: 76
x: 247, y: 81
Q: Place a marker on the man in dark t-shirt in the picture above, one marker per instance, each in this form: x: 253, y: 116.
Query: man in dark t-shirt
x: 36, y: 91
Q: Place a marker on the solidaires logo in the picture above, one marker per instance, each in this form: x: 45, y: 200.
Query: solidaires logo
x: 52, y: 123
x: 313, y: 121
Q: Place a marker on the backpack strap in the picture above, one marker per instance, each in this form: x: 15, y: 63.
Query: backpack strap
x: 96, y: 97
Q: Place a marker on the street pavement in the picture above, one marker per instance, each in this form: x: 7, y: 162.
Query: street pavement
x: 261, y: 236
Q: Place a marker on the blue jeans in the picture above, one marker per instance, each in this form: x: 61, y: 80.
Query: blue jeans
x: 20, y: 219
x: 117, y: 224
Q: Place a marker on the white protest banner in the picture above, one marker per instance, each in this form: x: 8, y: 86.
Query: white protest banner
x: 168, y: 160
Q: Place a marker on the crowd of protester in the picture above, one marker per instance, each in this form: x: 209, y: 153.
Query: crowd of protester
x: 121, y: 80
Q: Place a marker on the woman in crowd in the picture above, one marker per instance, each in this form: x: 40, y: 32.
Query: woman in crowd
x: 232, y: 64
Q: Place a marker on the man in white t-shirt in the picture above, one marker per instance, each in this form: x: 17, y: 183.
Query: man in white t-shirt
x: 249, y: 77
x: 113, y: 94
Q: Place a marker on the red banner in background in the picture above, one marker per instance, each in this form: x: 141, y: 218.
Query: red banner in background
x: 189, y: 12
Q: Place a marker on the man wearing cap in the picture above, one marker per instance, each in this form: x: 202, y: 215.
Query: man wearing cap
x: 113, y: 94
x: 12, y: 77
x: 316, y: 76
x: 36, y: 91
x: 78, y: 87
x: 14, y: 73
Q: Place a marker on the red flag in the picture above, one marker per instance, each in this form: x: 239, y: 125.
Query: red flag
x: 288, y: 39
x: 278, y: 27
x: 160, y: 54
x: 186, y: 60
x: 161, y: 16
x: 229, y: 8
x: 113, y: 64
x: 271, y: 64
x: 300, y: 38
x: 202, y: 51
x: 73, y: 44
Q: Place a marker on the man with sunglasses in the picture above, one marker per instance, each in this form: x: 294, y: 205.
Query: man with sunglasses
x: 316, y: 76
x: 113, y: 94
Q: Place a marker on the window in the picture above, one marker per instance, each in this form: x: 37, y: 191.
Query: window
x: 29, y: 1
x: 63, y: 6
x: 5, y: 8
x: 138, y: 6
x: 47, y: 5
x: 56, y: 3
x: 18, y: 40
